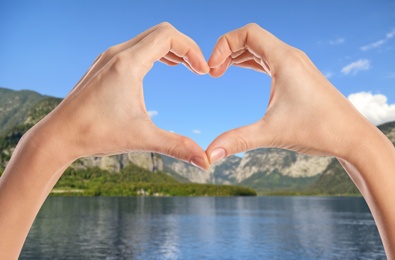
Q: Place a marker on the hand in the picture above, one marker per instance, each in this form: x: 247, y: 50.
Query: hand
x: 305, y: 112
x: 105, y: 113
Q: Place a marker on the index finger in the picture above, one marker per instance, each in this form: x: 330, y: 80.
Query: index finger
x: 252, y: 37
x: 164, y: 39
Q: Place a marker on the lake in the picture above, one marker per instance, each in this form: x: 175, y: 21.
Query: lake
x: 204, y: 228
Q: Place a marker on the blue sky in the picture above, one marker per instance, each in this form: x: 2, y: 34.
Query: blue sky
x: 47, y: 46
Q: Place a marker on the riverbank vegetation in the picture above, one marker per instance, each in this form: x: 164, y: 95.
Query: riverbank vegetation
x: 136, y: 181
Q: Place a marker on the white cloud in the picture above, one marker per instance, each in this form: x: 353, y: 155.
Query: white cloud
x: 373, y: 45
x: 337, y: 41
x: 152, y: 113
x: 328, y: 74
x: 390, y: 34
x: 197, y: 131
x: 356, y: 66
x: 374, y: 107
x: 380, y: 42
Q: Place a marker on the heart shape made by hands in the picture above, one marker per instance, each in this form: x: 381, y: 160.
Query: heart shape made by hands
x: 300, y: 98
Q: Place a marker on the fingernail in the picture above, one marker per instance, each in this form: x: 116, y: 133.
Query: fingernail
x: 198, y: 162
x: 217, y: 154
x: 200, y: 72
x: 211, y: 66
x: 206, y: 69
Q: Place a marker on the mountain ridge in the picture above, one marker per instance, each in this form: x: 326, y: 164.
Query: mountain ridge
x: 16, y: 105
x: 268, y: 170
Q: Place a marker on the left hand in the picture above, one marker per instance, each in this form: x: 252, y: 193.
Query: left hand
x: 105, y: 112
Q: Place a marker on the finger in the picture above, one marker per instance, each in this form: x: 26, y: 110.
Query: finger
x: 220, y: 70
x: 243, y: 59
x: 163, y: 40
x: 177, y: 146
x: 240, y: 140
x: 238, y: 53
x: 238, y: 40
x: 256, y: 40
x: 250, y: 64
x: 171, y: 63
x: 167, y: 62
x: 245, y: 56
x: 175, y: 59
x: 250, y: 61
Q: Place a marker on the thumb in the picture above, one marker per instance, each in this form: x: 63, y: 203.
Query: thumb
x: 177, y: 146
x: 239, y: 140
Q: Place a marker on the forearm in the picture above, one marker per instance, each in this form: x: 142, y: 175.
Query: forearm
x: 372, y: 168
x: 35, y: 167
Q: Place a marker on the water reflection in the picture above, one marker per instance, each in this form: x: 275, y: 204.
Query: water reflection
x: 204, y: 228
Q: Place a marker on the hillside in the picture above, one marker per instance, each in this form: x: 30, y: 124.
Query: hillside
x: 277, y: 183
x: 136, y: 181
x: 16, y: 106
x: 389, y: 130
x: 33, y: 108
x: 269, y: 170
x: 118, y: 175
x: 335, y: 180
x: 223, y: 172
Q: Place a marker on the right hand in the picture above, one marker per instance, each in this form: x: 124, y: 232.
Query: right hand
x: 305, y: 113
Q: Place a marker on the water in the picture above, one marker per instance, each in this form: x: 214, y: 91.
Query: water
x: 204, y: 228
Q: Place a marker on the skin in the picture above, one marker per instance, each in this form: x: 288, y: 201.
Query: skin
x: 307, y: 114
x: 105, y: 114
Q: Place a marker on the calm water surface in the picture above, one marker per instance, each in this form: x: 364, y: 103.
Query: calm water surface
x: 204, y: 228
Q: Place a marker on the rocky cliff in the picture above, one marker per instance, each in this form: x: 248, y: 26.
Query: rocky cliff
x: 288, y: 163
x: 116, y: 163
x: 223, y: 172
x: 262, y: 169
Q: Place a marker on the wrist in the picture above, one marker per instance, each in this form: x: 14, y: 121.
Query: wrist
x: 372, y: 167
x: 37, y: 162
x: 367, y: 144
x: 53, y: 141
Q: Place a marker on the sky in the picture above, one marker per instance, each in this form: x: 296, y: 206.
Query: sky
x: 46, y: 46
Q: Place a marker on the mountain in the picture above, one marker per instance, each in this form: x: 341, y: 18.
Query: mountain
x: 269, y: 170
x: 389, y: 130
x: 264, y: 170
x: 223, y: 172
x: 276, y: 171
x: 334, y: 179
x: 136, y: 181
x: 20, y: 110
x: 16, y: 107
